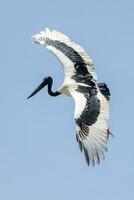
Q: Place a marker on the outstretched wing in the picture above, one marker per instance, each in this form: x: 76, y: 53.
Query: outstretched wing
x: 77, y: 64
x: 91, y: 116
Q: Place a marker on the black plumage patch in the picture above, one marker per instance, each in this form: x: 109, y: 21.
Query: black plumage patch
x: 81, y: 69
x: 87, y: 91
x: 104, y: 90
x: 90, y: 113
x: 79, y: 63
x: 92, y: 108
x: 82, y: 78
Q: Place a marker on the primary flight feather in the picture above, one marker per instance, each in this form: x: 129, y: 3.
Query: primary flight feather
x: 91, y: 99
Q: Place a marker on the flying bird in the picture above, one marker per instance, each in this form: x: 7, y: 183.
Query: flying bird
x: 80, y: 82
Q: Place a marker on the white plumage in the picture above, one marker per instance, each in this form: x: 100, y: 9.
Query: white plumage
x: 54, y: 35
x: 91, y: 99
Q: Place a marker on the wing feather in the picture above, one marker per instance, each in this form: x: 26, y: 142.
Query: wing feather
x: 93, y: 137
x: 69, y: 53
x: 91, y: 101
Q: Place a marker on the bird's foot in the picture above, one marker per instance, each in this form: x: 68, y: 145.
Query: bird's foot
x: 109, y: 133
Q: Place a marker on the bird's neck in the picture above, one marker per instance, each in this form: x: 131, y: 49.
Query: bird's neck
x: 50, y: 92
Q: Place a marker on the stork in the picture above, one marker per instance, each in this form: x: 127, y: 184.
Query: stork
x: 91, y: 99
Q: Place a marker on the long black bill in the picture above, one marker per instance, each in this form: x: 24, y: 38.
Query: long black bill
x: 43, y: 84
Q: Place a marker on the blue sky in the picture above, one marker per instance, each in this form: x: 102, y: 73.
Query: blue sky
x: 39, y: 155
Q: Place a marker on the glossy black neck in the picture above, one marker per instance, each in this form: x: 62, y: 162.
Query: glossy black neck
x: 50, y: 92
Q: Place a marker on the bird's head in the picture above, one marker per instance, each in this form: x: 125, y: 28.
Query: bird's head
x: 45, y: 82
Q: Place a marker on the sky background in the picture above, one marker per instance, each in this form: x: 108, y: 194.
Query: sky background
x: 39, y: 155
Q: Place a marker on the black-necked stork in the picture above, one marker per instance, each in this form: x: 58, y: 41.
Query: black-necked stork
x: 91, y: 99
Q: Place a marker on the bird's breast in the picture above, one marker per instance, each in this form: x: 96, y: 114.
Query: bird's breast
x: 68, y: 89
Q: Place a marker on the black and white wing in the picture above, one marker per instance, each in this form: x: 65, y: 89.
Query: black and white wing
x: 91, y: 100
x: 91, y: 117
x: 76, y: 62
